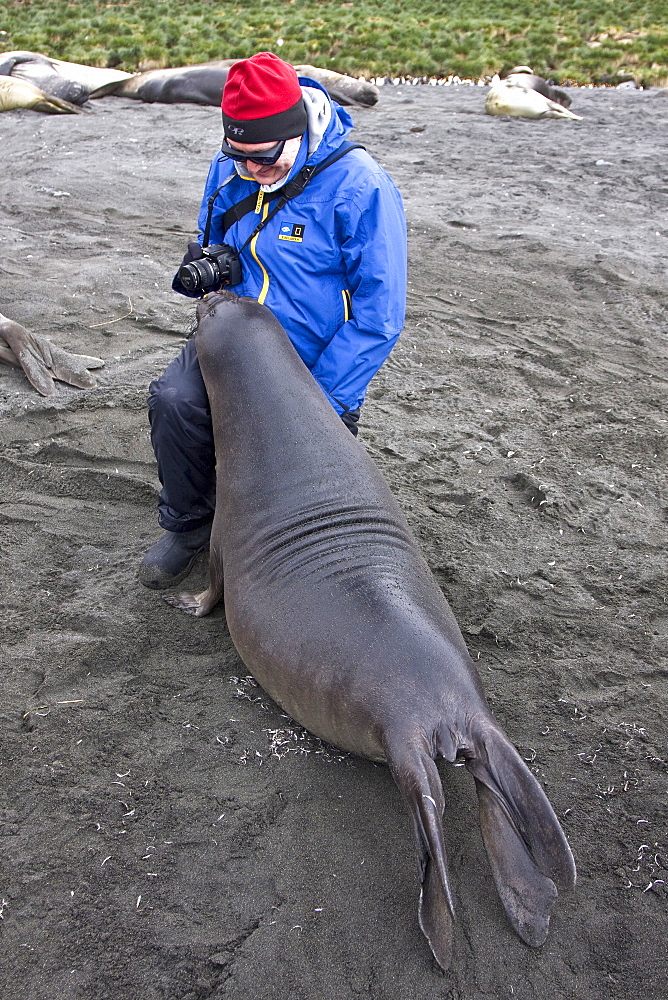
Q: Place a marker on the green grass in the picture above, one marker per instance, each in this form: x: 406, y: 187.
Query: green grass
x: 578, y: 41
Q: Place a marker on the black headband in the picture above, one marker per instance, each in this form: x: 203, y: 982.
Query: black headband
x: 284, y: 125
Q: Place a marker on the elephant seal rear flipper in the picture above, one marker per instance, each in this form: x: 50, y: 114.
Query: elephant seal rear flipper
x: 419, y: 782
x: 525, y: 844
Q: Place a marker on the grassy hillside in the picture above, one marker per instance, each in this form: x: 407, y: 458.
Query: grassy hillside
x: 583, y: 41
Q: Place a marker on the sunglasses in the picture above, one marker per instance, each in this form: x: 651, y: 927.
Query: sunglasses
x: 264, y: 159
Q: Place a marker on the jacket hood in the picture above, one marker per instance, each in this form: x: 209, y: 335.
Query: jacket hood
x: 328, y: 125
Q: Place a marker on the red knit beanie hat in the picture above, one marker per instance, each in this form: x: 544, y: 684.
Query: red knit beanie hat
x: 262, y: 101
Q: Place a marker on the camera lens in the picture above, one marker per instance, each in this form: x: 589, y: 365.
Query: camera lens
x: 199, y: 276
x: 189, y: 277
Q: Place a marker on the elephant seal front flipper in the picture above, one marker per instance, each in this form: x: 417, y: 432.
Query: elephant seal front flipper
x: 199, y: 605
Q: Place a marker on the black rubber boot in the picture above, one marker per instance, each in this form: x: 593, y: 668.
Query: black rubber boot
x: 171, y: 558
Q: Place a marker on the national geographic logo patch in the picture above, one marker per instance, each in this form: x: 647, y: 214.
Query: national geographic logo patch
x: 294, y: 233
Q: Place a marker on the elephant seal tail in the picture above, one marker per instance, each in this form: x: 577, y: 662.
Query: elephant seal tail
x: 526, y: 846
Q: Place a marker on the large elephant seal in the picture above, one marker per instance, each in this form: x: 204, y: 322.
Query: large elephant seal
x: 334, y: 610
x: 68, y: 81
x: 203, y: 83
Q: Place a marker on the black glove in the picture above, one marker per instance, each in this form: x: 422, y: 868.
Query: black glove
x: 194, y: 253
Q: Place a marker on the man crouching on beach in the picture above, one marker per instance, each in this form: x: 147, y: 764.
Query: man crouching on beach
x: 330, y: 263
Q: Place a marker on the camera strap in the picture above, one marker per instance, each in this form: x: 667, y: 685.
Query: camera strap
x: 284, y: 194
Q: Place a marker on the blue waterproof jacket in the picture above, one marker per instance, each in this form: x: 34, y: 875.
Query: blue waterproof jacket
x: 331, y: 264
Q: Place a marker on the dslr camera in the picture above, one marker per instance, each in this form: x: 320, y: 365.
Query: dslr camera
x: 218, y: 267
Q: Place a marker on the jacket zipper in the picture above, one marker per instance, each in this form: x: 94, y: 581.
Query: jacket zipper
x: 265, y: 281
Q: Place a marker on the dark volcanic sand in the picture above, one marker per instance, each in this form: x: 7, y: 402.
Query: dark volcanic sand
x: 168, y: 832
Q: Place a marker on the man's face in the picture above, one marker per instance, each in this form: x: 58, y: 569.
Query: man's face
x: 275, y: 172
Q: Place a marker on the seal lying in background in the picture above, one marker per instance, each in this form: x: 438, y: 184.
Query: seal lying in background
x: 42, y: 361
x: 334, y: 610
x: 524, y: 76
x: 70, y: 82
x: 15, y: 94
x: 203, y: 83
x: 512, y: 97
x: 199, y: 84
x: 343, y: 89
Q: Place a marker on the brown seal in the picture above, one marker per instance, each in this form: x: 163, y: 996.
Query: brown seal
x: 334, y: 610
x: 202, y: 83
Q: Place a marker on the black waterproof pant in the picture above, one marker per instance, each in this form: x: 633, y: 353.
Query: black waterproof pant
x: 182, y: 439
